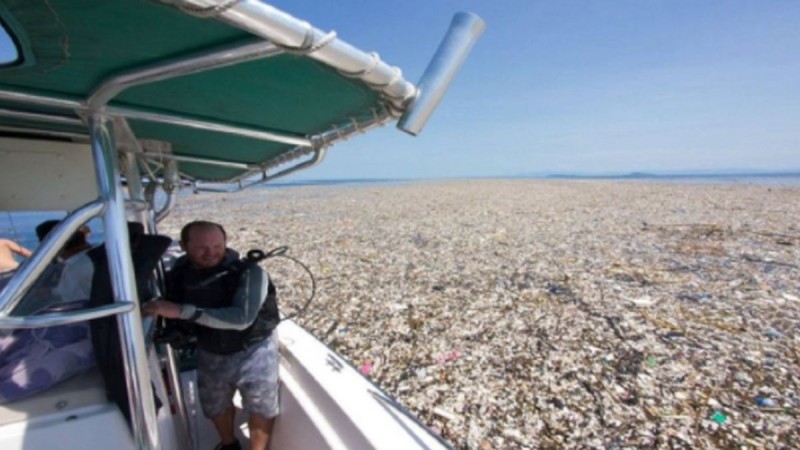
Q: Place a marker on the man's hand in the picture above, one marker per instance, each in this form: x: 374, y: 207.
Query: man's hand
x: 162, y: 308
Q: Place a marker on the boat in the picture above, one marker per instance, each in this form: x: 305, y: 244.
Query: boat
x: 109, y: 110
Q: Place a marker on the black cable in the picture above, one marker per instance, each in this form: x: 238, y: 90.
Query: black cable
x: 280, y: 252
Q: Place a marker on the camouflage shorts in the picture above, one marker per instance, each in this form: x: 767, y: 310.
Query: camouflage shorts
x: 253, y: 372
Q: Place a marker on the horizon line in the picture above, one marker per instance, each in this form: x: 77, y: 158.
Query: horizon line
x: 631, y: 174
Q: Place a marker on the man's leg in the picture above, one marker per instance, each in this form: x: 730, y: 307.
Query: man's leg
x: 260, y: 431
x: 259, y: 389
x: 224, y: 425
x: 216, y: 394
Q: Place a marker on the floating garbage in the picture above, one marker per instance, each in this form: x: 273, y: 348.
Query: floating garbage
x: 543, y: 314
x: 773, y: 333
x: 719, y: 417
x: 447, y: 357
x: 445, y: 414
x: 366, y: 368
x: 765, y: 402
x: 790, y: 297
x: 642, y: 302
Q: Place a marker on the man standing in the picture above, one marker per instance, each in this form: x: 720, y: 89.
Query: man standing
x: 234, y: 307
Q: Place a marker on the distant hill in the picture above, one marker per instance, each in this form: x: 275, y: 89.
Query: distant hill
x: 648, y: 175
x: 633, y: 175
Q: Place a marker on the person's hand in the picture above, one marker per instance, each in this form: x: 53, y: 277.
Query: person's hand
x: 162, y: 308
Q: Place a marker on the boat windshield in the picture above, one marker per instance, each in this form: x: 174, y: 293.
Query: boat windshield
x: 49, y: 289
x: 9, y: 53
x: 20, y: 227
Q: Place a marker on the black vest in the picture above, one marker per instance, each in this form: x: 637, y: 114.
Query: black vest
x: 212, y: 288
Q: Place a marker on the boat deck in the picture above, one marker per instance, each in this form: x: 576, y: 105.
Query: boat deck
x: 73, y: 394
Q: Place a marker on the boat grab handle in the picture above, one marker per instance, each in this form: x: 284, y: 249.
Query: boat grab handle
x: 63, y: 318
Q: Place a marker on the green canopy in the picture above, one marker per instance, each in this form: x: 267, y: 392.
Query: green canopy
x: 68, y: 48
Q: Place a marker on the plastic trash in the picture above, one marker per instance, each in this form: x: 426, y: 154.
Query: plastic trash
x: 630, y: 398
x: 773, y: 333
x: 366, y: 368
x: 447, y: 357
x: 765, y: 402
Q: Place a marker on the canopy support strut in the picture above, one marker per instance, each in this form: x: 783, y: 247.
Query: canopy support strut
x: 118, y: 250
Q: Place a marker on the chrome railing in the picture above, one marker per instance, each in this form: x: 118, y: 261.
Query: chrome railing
x: 64, y: 318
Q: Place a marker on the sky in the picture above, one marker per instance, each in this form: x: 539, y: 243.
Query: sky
x: 586, y: 87
x: 598, y: 87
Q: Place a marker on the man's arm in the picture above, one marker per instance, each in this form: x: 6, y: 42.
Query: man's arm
x: 241, y: 314
x: 20, y: 250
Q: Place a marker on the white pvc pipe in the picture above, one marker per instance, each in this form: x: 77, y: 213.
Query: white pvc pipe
x: 465, y: 29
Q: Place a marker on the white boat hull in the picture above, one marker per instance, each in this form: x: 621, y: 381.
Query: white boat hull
x: 325, y: 404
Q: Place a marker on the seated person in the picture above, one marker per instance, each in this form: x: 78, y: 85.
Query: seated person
x: 75, y: 282
x: 66, y: 280
x: 32, y: 360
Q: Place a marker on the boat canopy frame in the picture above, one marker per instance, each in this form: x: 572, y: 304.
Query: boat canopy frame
x: 277, y: 35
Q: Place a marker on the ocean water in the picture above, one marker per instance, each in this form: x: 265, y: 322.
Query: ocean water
x: 772, y: 180
x: 761, y: 180
x: 20, y: 227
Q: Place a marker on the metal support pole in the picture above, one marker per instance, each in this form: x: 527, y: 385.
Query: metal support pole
x: 63, y: 318
x: 174, y: 376
x: 45, y: 118
x: 164, y: 70
x: 172, y: 186
x: 137, y: 374
x: 137, y: 114
x: 465, y: 29
x: 135, y: 189
x: 147, y: 217
x: 127, y: 140
x: 182, y: 121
